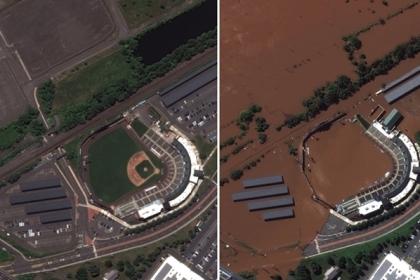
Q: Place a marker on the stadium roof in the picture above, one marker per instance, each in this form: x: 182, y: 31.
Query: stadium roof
x: 260, y: 193
x: 394, y: 268
x: 278, y: 214
x: 55, y: 217
x: 47, y: 207
x: 173, y: 269
x: 38, y: 196
x: 266, y: 204
x: 194, y: 83
x: 401, y: 79
x: 38, y: 185
x: 403, y: 89
x: 392, y: 118
x: 263, y: 181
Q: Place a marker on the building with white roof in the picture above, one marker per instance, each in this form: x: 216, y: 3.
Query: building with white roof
x: 172, y: 269
x: 394, y: 268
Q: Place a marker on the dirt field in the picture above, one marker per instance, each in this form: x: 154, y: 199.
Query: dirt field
x: 340, y: 167
x: 50, y: 32
x: 275, y: 55
x: 132, y: 173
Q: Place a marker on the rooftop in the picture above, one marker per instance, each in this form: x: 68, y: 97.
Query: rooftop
x: 172, y: 269
x: 394, y: 268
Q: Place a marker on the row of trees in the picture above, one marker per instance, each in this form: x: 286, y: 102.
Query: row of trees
x: 15, y: 176
x: 15, y: 131
x: 45, y: 94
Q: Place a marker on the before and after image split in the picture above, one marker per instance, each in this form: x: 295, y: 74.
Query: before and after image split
x: 209, y: 139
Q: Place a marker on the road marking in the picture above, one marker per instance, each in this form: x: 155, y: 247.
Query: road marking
x: 4, y: 39
x: 23, y: 65
x: 37, y: 265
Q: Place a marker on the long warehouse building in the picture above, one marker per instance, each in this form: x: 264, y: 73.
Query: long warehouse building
x: 273, y: 203
x: 39, y: 185
x: 278, y: 214
x: 190, y: 86
x: 260, y: 193
x: 55, y: 217
x: 38, y: 196
x: 263, y: 181
x: 47, y: 207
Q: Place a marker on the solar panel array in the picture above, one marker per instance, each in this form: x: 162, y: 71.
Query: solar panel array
x: 47, y: 207
x: 263, y: 181
x: 55, y: 217
x: 273, y: 191
x: 39, y: 185
x: 38, y: 196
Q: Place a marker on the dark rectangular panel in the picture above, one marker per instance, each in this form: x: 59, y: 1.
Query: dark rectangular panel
x: 38, y: 185
x: 263, y: 181
x: 55, y: 217
x: 260, y: 193
x: 273, y: 203
x: 38, y: 196
x: 47, y: 207
x: 278, y: 214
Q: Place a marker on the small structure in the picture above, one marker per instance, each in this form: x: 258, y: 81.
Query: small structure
x: 112, y: 275
x: 199, y: 174
x: 332, y: 273
x: 150, y: 210
x: 392, y: 119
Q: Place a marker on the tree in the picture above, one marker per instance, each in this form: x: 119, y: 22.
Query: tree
x: 82, y: 274
x: 69, y: 275
x: 316, y: 268
x: 94, y: 270
x: 108, y: 263
x: 236, y: 174
x: 247, y: 275
x: 302, y: 273
x: 36, y: 128
x: 276, y: 277
x: 255, y: 108
x: 202, y: 156
x: 245, y: 116
x: 262, y: 137
x: 331, y: 261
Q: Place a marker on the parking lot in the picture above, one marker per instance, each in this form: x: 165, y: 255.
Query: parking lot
x: 196, y: 114
x: 202, y: 252
x: 411, y: 248
x: 29, y: 226
x: 103, y: 226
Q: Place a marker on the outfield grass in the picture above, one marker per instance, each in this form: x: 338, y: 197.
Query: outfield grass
x: 141, y: 166
x: 202, y: 145
x: 82, y: 86
x: 363, y: 121
x: 108, y: 158
x: 139, y: 127
x: 136, y: 12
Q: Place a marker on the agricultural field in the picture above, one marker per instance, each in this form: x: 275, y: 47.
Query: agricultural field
x: 139, y: 12
x: 107, y: 169
x: 139, y: 127
x: 81, y: 86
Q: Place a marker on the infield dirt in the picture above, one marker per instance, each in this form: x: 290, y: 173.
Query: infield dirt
x: 275, y: 55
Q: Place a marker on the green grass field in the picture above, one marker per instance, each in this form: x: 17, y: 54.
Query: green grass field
x: 202, y: 145
x: 139, y: 127
x: 211, y: 165
x: 5, y: 256
x: 145, y: 169
x: 108, y: 158
x: 136, y: 12
x: 84, y: 84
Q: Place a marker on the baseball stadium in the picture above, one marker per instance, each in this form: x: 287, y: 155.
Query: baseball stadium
x: 137, y: 171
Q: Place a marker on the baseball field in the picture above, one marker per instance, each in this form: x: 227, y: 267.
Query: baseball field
x: 110, y: 159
